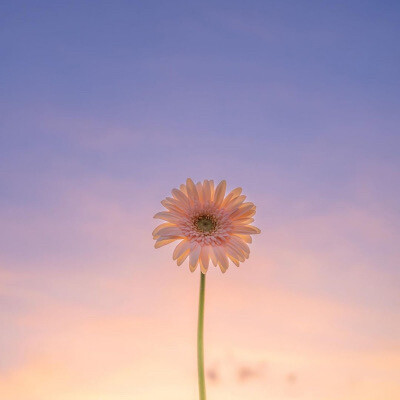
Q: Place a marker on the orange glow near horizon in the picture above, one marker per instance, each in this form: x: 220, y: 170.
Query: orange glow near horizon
x: 113, y: 332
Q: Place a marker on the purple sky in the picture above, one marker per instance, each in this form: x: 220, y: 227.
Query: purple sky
x: 106, y: 106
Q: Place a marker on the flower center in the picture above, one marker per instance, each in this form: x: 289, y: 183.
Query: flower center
x: 205, y: 223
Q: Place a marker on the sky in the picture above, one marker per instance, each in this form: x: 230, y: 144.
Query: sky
x: 107, y: 106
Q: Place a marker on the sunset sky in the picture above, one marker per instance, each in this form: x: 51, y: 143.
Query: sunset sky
x: 106, y: 106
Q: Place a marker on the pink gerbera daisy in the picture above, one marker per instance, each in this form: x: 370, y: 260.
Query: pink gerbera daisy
x: 208, y: 224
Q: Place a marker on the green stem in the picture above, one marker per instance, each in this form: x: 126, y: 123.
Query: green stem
x: 200, y: 344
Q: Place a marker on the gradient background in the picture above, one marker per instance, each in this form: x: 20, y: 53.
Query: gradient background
x: 105, y: 106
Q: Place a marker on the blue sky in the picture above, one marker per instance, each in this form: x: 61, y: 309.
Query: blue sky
x: 300, y: 100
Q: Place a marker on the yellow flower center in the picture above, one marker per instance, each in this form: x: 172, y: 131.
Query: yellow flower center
x: 205, y: 223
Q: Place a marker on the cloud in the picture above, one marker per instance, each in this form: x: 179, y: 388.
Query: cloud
x: 246, y: 372
x: 291, y: 378
x: 212, y: 375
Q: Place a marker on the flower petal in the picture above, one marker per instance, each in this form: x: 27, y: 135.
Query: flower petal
x: 235, y: 252
x: 180, y: 196
x: 159, y: 227
x: 170, y: 231
x: 222, y: 258
x: 192, y: 191
x: 205, y: 256
x: 207, y: 191
x: 220, y: 193
x: 181, y: 248
x: 194, y: 257
x: 235, y: 203
x: 213, y: 256
x: 204, y: 260
x: 175, y: 211
x: 167, y: 216
x: 183, y: 257
x: 247, y: 214
x: 162, y: 241
x: 243, y: 209
x: 175, y: 205
x: 231, y: 196
x: 199, y: 188
x: 211, y: 182
x: 183, y: 189
x: 236, y: 262
x: 237, y: 242
x: 246, y: 229
x: 243, y: 221
x: 245, y: 238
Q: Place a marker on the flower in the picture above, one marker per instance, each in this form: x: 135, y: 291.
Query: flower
x: 208, y: 224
